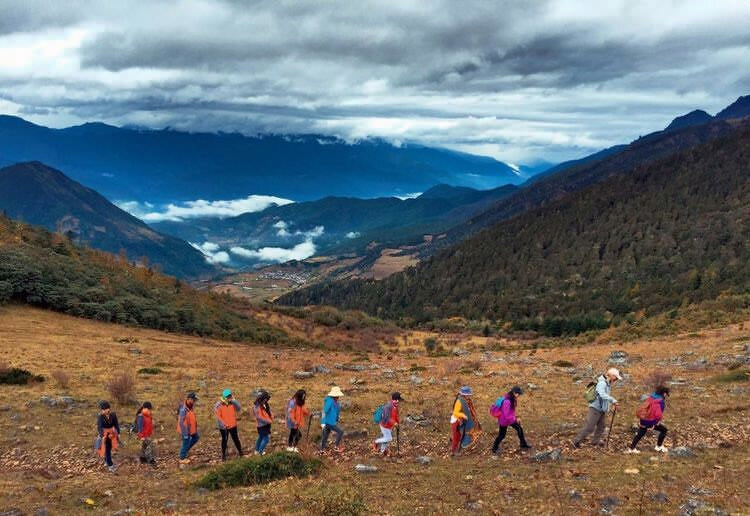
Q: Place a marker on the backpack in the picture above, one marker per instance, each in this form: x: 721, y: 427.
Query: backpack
x: 645, y: 411
x: 495, y: 408
x: 382, y: 414
x: 590, y: 393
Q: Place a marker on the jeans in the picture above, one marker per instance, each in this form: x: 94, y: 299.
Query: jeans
x: 642, y: 431
x: 187, y: 443
x: 504, y: 430
x: 295, y: 434
x: 327, y: 429
x: 264, y: 436
x: 387, y: 438
x: 595, y: 422
x: 225, y: 433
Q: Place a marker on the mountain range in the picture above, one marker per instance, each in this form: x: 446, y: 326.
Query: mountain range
x: 44, y: 196
x: 166, y: 166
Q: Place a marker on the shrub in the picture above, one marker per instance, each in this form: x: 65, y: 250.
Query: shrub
x: 738, y: 375
x: 16, y: 376
x: 62, y: 378
x: 341, y: 500
x: 259, y: 470
x: 563, y: 363
x: 149, y: 370
x: 430, y: 344
x: 122, y: 388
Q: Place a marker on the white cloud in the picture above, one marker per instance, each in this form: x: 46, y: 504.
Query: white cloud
x: 277, y: 254
x: 211, y: 252
x: 283, y: 229
x: 202, y: 208
x: 412, y: 195
x: 352, y: 234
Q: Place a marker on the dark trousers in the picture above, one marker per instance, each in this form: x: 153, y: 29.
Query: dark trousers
x: 225, y: 433
x: 642, y: 431
x: 327, y: 429
x: 504, y: 430
x: 108, y: 451
x: 295, y: 434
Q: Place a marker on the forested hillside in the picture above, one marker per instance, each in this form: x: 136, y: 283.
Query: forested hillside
x: 45, y: 269
x: 666, y: 234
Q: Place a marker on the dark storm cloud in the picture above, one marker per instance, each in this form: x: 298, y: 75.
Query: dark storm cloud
x: 518, y: 80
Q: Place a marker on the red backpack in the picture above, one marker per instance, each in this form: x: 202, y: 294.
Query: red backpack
x: 649, y: 410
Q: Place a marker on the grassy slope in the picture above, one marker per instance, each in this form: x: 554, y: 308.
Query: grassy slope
x: 713, y: 418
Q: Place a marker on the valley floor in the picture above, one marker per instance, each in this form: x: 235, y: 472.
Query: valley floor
x: 46, y: 460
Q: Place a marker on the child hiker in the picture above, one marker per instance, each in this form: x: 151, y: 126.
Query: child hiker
x: 109, y: 432
x: 329, y: 419
x: 187, y: 426
x: 650, y: 414
x: 504, y: 409
x: 387, y: 417
x: 226, y: 410
x: 264, y: 418
x: 465, y: 427
x: 144, y: 424
x: 296, y: 414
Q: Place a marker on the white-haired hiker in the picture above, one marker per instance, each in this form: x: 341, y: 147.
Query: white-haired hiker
x: 598, y: 408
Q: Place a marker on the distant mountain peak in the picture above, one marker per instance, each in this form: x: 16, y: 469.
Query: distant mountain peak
x: 740, y: 108
x: 695, y: 117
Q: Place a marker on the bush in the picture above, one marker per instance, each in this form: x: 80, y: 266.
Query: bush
x: 341, y: 500
x: 16, y: 376
x: 430, y: 344
x: 122, y: 388
x: 62, y: 378
x: 259, y: 470
x: 738, y: 375
x: 149, y: 370
x: 563, y: 363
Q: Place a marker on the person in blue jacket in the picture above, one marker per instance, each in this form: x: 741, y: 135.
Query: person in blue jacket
x: 330, y: 419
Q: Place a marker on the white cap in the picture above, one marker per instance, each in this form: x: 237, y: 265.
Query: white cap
x: 613, y: 371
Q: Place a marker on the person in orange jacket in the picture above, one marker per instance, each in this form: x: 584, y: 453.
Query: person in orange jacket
x: 187, y: 426
x: 226, y: 410
x: 144, y: 425
x: 296, y: 414
x: 264, y: 418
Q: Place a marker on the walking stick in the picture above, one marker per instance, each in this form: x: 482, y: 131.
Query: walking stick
x: 309, y: 424
x: 398, y: 440
x: 611, y: 424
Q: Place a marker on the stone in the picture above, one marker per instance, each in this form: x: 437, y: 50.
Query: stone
x: 575, y: 495
x: 459, y: 352
x: 389, y: 374
x: 202, y: 491
x: 170, y: 504
x: 135, y: 351
x: 632, y: 471
x: 303, y: 375
x: 363, y: 468
x: 618, y: 357
x: 11, y: 512
x: 681, y: 452
x: 417, y: 419
x: 48, y: 400
x: 697, y: 508
x: 416, y: 380
x: 423, y: 459
x: 41, y: 511
x: 356, y: 434
x: 5, y: 408
x: 660, y: 497
x: 356, y: 381
x: 475, y: 506
x: 609, y: 503
x: 319, y: 369
x: 532, y: 386
x: 67, y: 400
x: 351, y: 367
x: 123, y: 512
x: 700, y: 491
x: 548, y: 456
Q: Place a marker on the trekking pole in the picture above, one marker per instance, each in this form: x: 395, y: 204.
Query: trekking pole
x: 398, y: 440
x: 611, y: 424
x: 309, y: 424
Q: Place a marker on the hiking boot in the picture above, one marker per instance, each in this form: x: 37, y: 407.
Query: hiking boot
x: 112, y: 468
x: 662, y: 449
x: 290, y: 448
x: 632, y: 450
x: 295, y: 449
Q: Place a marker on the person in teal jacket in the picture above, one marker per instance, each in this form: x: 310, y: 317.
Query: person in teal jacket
x: 329, y: 419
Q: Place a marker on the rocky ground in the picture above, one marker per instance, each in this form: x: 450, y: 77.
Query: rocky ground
x: 46, y: 430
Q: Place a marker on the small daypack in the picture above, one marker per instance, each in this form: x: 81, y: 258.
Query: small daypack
x: 590, y: 393
x: 382, y: 414
x: 495, y: 409
x: 645, y: 411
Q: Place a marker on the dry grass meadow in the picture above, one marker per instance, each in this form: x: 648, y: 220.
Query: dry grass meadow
x: 46, y: 460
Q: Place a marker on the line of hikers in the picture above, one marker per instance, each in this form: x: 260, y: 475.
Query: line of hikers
x: 465, y: 426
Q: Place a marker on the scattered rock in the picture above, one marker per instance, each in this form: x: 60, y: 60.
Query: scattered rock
x: 108, y: 493
x: 5, y: 408
x: 123, y: 512
x: 389, y: 374
x: 356, y: 434
x: 417, y: 419
x: 303, y: 375
x: 41, y: 511
x: 48, y: 400
x: 253, y: 497
x: 423, y: 459
x: 67, y: 400
x: 319, y: 369
x: 135, y: 351
x: 363, y: 468
x: 532, y: 386
x: 416, y: 380
x: 660, y: 497
x: 11, y: 512
x: 170, y: 504
x: 356, y: 381
x: 475, y: 506
x: 618, y: 357
x: 681, y: 452
x: 696, y: 507
x: 575, y: 495
x: 609, y: 503
x: 459, y: 352
x: 351, y: 367
x: 632, y: 471
x: 548, y: 456
x: 700, y: 491
x: 202, y: 491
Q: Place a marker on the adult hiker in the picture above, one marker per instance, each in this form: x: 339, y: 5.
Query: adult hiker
x: 465, y: 427
x: 108, y: 430
x: 144, y: 425
x: 264, y: 418
x: 504, y: 409
x: 600, y: 400
x: 296, y: 414
x: 187, y: 426
x: 650, y: 414
x: 329, y: 419
x: 387, y: 417
x: 226, y: 410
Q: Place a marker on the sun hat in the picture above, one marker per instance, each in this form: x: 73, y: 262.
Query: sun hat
x: 226, y: 393
x: 465, y: 391
x: 613, y: 371
x: 335, y: 392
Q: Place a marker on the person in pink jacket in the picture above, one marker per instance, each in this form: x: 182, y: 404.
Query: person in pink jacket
x: 504, y: 409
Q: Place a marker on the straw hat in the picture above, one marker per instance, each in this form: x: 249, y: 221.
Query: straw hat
x: 335, y: 392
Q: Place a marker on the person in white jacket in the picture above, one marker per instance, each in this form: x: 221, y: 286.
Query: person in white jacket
x: 595, y: 418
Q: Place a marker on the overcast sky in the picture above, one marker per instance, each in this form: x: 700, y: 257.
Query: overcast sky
x: 517, y: 80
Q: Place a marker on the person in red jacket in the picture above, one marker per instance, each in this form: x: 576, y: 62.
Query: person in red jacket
x: 144, y: 424
x: 388, y: 420
x: 651, y: 418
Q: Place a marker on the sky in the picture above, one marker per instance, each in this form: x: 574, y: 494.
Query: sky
x: 520, y: 81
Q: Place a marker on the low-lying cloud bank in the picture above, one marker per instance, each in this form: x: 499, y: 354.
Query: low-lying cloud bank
x: 212, y: 252
x: 201, y: 208
x: 277, y: 254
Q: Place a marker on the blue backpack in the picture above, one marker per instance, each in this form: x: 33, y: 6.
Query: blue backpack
x: 496, y: 407
x: 382, y: 414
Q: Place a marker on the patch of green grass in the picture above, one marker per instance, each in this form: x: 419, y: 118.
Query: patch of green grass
x: 259, y: 470
x: 737, y: 375
x: 341, y: 500
x: 150, y: 370
x: 16, y: 376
